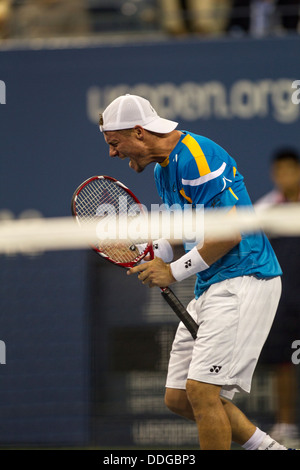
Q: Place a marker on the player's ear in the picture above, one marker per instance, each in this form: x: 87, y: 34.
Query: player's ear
x: 139, y: 132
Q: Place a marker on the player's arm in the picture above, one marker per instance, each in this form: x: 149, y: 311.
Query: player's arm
x: 201, y: 258
x: 159, y: 273
x: 209, y: 192
x: 212, y: 250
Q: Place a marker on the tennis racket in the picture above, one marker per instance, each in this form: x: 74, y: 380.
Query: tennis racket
x: 103, y: 197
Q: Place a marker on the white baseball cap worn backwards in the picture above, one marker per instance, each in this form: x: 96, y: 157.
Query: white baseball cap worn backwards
x: 128, y: 111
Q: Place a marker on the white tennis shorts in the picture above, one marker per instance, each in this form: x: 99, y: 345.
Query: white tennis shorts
x: 234, y: 317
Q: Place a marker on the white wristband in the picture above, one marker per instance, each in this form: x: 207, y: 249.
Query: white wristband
x: 189, y: 264
x: 162, y: 249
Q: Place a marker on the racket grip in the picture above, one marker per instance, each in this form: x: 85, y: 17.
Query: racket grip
x: 180, y: 311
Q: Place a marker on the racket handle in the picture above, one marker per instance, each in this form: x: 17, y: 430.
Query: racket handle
x: 180, y: 311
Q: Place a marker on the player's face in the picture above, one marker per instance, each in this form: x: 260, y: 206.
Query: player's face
x: 127, y: 145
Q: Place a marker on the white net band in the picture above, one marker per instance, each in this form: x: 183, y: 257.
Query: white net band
x: 44, y: 234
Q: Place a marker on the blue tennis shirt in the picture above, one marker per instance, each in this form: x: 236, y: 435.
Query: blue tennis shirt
x: 199, y: 171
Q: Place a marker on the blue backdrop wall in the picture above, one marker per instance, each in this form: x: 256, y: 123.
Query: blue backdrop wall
x: 237, y: 93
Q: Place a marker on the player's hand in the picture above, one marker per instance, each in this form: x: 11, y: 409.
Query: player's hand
x: 155, y: 273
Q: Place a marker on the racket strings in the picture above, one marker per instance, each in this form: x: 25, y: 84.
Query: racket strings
x: 103, y: 200
x: 89, y: 201
x: 94, y: 196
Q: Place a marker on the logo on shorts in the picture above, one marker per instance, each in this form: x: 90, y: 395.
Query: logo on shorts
x: 188, y: 264
x: 215, y: 369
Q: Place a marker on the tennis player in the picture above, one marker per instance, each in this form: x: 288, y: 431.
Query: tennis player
x: 238, y: 282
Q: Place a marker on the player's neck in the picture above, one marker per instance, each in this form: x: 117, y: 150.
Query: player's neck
x: 165, y: 145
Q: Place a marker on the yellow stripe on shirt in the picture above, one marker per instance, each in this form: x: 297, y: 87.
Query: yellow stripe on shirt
x: 197, y: 153
x: 185, y: 196
x: 233, y: 194
x: 165, y: 162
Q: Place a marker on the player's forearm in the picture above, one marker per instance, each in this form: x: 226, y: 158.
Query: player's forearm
x: 201, y: 258
x: 198, y: 260
x: 212, y: 251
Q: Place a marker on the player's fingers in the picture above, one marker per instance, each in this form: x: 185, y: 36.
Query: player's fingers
x: 137, y: 269
x: 147, y: 277
x: 144, y: 277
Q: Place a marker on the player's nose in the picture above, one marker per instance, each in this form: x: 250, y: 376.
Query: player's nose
x: 113, y: 152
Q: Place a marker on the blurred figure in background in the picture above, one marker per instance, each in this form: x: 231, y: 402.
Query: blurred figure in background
x: 5, y: 12
x: 239, y: 21
x: 285, y: 174
x: 194, y: 16
x: 277, y: 352
x: 49, y: 18
x: 289, y: 14
x: 252, y: 16
x: 263, y: 17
